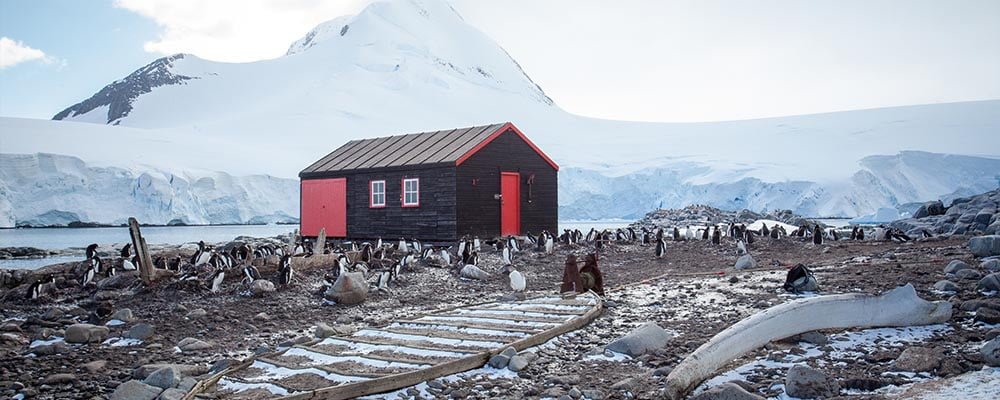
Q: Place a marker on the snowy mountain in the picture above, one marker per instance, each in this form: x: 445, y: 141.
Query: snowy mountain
x: 415, y: 65
x: 48, y: 189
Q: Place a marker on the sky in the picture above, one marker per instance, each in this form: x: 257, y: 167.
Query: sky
x: 671, y: 61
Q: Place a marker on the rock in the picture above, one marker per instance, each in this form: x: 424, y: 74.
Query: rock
x: 350, y: 288
x: 262, y: 316
x: 196, y: 313
x: 805, y: 382
x: 192, y: 344
x: 509, y: 352
x: 968, y: 274
x: 662, y: 371
x: 499, y: 361
x: 955, y: 266
x: 187, y: 384
x: 473, y: 272
x: 989, y: 283
x: 988, y: 315
x: 593, y: 394
x: 745, y: 261
x: 518, y: 362
x: 51, y: 349
x: 172, y: 394
x: 991, y: 352
x: 918, y: 359
x: 140, y: 331
x: 946, y: 286
x: 53, y: 314
x: 94, y: 367
x: 58, y: 379
x: 261, y: 287
x: 975, y: 304
x: 164, y: 378
x: 324, y: 330
x: 86, y: 333
x: 992, y: 265
x: 183, y: 369
x: 626, y: 384
x: 135, y: 390
x: 813, y: 337
x: 649, y: 336
x: 985, y: 246
x: 124, y: 314
x: 727, y: 391
x: 575, y: 393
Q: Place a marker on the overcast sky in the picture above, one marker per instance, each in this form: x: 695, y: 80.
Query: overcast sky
x: 696, y: 60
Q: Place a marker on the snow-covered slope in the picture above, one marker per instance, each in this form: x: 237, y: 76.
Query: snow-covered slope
x: 47, y: 189
x: 414, y: 65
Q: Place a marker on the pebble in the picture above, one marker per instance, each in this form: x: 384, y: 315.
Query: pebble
x: 124, y: 314
x: 140, y: 331
x: 192, y: 344
x: 196, y: 313
x: 56, y: 379
x: 95, y: 366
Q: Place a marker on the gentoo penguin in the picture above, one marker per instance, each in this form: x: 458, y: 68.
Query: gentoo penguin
x: 382, y: 283
x: 517, y: 282
x: 402, y: 246
x: 217, y: 279
x: 512, y: 243
x: 34, y: 291
x: 631, y: 234
x: 677, y: 234
x: 251, y: 273
x: 749, y: 235
x: 549, y: 243
x: 95, y: 261
x: 689, y: 233
x: 716, y: 236
x: 477, y: 244
x: 925, y: 233
x: 834, y: 234
x: 532, y: 240
x: 378, y: 242
x: 427, y: 252
x: 127, y: 264
x: 446, y: 256
x: 462, y: 251
x: 741, y: 248
x: 764, y: 231
x: 417, y: 246
x: 704, y: 233
x: 661, y: 247
x: 775, y: 233
x: 506, y: 255
x: 474, y: 258
x: 88, y: 275
x: 861, y: 233
x: 817, y: 235
x: 592, y: 235
x: 285, y: 271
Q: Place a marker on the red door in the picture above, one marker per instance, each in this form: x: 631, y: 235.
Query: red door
x: 510, y: 203
x: 324, y: 205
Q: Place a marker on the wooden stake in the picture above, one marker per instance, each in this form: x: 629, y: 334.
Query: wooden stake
x: 142, y: 251
x: 320, y: 241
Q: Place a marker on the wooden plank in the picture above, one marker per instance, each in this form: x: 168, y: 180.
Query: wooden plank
x: 146, y: 272
x: 532, y: 310
x: 471, y: 325
x: 376, y: 356
x: 446, y: 334
x: 513, y: 318
x: 325, y: 368
x: 320, y: 242
x: 401, y: 343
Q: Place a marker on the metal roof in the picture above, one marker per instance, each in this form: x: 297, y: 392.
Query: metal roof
x: 445, y: 146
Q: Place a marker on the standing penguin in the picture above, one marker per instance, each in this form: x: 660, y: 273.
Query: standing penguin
x: 764, y: 231
x: 506, y: 255
x: 677, y: 234
x: 817, y: 235
x: 126, y: 254
x: 741, y: 248
x: 285, y: 271
x: 217, y: 278
x: 661, y: 247
x: 716, y: 236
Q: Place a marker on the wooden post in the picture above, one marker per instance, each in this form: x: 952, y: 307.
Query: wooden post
x: 142, y: 251
x: 320, y: 242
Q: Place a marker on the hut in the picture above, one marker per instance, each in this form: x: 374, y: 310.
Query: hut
x: 436, y: 186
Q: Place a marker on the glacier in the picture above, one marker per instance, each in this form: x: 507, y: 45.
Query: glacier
x: 403, y: 66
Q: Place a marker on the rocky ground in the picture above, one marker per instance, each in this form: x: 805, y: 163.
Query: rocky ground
x: 695, y: 294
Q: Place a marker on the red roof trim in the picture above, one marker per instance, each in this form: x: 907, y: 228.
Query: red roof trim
x: 499, y: 132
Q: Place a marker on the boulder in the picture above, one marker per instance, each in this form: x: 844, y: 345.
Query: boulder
x: 991, y: 265
x: 261, y: 287
x: 196, y: 313
x: 192, y: 344
x: 95, y: 366
x: 988, y: 315
x: 520, y: 361
x: 135, y: 390
x: 805, y: 382
x: 499, y: 361
x: 956, y: 265
x: 86, y: 333
x: 350, y: 288
x: 473, y: 272
x: 124, y: 315
x: 976, y: 304
x: 324, y: 330
x: 727, y: 391
x: 53, y: 314
x: 744, y: 262
x: 984, y: 216
x: 985, y: 246
x: 946, y: 286
x: 183, y: 369
x: 164, y: 378
x: 172, y: 394
x: 647, y: 337
x: 51, y: 349
x: 991, y: 352
x: 918, y: 359
x: 140, y: 331
x: 968, y: 274
x: 989, y: 283
x: 58, y: 379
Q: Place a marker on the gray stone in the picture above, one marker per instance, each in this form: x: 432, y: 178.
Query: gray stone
x: 968, y: 274
x: 324, y: 330
x: 989, y: 282
x: 649, y: 336
x: 744, y: 262
x: 988, y: 315
x: 918, y: 359
x: 172, y: 394
x: 805, y: 382
x: 192, y: 344
x: 58, y: 379
x: 984, y: 216
x: 991, y: 265
x: 261, y: 287
x: 574, y: 393
x: 518, y: 362
x: 663, y: 371
x: 623, y: 385
x: 593, y: 394
x: 499, y: 361
x: 196, y: 313
x: 813, y: 337
x: 727, y: 391
x: 95, y: 366
x: 985, y: 246
x: 86, y: 333
x: 187, y: 384
x: 991, y: 352
x: 135, y: 390
x: 350, y: 288
x: 164, y: 378
x: 124, y: 314
x: 955, y: 266
x: 262, y: 316
x: 473, y: 272
x: 53, y: 314
x: 51, y: 349
x: 975, y: 304
x: 183, y: 369
x: 509, y: 352
x: 946, y: 286
x: 140, y: 331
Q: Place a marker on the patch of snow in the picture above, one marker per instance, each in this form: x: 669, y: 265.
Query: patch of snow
x: 324, y: 359
x: 226, y: 384
x: 121, y: 342
x: 474, y: 331
x: 484, y: 320
x: 39, y: 342
x: 365, y: 348
x: 115, y: 322
x: 422, y: 338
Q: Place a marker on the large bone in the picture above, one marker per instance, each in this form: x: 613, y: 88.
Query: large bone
x: 897, y: 307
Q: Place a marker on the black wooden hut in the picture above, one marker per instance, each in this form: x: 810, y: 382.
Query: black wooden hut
x: 434, y: 186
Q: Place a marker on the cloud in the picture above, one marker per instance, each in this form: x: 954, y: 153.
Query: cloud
x: 13, y: 52
x: 234, y: 30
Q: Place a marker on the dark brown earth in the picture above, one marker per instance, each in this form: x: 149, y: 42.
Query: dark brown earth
x: 695, y: 294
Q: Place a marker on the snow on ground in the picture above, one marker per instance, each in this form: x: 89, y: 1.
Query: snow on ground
x: 977, y: 385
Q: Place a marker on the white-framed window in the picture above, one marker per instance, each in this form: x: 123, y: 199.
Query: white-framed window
x: 411, y: 192
x: 376, y: 190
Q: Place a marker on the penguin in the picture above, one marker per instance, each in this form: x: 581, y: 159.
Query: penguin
x: 110, y: 270
x: 382, y: 283
x: 402, y: 246
x: 661, y: 248
x: 427, y: 252
x: 285, y: 271
x: 716, y: 236
x: 776, y: 232
x: 644, y: 236
x: 592, y: 235
x: 689, y: 233
x: 251, y: 273
x: 704, y: 234
x: 474, y: 258
x: 477, y: 244
x: 506, y: 255
x: 95, y: 261
x: 677, y: 234
x: 517, y: 281
x: 417, y: 246
x: 461, y: 247
x: 512, y: 243
x: 378, y: 242
x: 834, y: 234
x: 817, y: 235
x: 88, y: 275
x: 299, y: 249
x: 446, y: 256
x: 549, y: 243
x: 764, y: 231
x: 217, y: 279
x: 34, y: 291
x: 750, y: 236
x: 741, y: 248
x: 925, y: 233
x: 465, y: 253
x: 532, y: 240
x: 861, y: 233
x: 126, y: 254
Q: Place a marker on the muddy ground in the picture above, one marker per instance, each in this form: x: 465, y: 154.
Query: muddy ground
x: 695, y: 295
